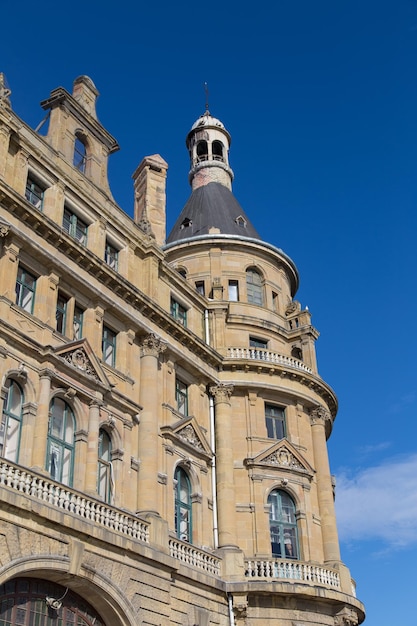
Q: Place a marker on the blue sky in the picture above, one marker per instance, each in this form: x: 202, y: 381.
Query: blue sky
x: 321, y: 101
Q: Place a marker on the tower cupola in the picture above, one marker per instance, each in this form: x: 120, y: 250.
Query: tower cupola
x: 208, y: 144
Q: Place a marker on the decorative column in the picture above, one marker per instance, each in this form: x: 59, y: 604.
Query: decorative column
x: 92, y: 448
x: 226, y: 502
x: 42, y: 421
x: 318, y: 418
x: 151, y: 348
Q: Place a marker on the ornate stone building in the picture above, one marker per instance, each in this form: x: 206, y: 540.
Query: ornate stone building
x: 163, y: 455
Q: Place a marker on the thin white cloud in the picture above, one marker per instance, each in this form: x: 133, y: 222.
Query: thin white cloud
x: 403, y: 403
x: 379, y: 503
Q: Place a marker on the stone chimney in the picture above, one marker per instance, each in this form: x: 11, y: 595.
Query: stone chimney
x: 149, y: 182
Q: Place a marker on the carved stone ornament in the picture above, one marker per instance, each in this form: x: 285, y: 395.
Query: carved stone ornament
x: 188, y: 435
x: 153, y: 345
x: 144, y: 223
x: 4, y: 228
x: 284, y: 458
x: 221, y: 392
x: 79, y: 359
x: 319, y: 415
x: 292, y: 307
x: 346, y: 617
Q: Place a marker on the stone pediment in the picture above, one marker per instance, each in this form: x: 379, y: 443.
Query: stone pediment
x: 80, y: 355
x: 186, y: 433
x: 282, y: 455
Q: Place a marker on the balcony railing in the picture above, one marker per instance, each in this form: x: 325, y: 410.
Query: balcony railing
x: 64, y: 498
x: 193, y: 556
x: 274, y: 569
x: 262, y: 354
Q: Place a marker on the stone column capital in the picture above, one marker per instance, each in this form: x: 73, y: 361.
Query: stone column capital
x: 221, y: 393
x: 152, y: 345
x: 319, y: 415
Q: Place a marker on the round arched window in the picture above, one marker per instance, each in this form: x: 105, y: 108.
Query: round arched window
x: 29, y: 601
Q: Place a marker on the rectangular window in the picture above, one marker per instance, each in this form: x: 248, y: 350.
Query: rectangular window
x: 200, y: 287
x: 181, y: 396
x: 75, y: 226
x: 109, y: 346
x: 25, y: 289
x: 77, y: 322
x: 178, y: 312
x: 111, y: 255
x: 257, y: 343
x: 34, y: 192
x: 233, y: 290
x: 275, y: 421
x: 61, y: 313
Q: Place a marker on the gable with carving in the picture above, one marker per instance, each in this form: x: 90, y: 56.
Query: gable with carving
x: 187, y: 434
x: 282, y: 455
x: 79, y: 355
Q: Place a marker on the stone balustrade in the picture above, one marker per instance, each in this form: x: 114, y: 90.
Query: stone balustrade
x: 64, y: 498
x: 262, y: 354
x: 291, y: 570
x: 193, y: 556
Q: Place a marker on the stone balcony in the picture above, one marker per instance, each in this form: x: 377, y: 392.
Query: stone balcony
x: 267, y: 356
x: 29, y: 490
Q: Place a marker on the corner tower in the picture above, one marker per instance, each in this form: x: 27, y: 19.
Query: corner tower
x: 275, y: 517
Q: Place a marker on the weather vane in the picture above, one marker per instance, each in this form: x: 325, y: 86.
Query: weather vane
x: 207, y: 96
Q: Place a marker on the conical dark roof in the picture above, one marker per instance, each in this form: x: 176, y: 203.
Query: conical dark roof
x: 212, y: 206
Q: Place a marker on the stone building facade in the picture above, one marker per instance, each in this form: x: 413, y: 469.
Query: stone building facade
x: 163, y: 455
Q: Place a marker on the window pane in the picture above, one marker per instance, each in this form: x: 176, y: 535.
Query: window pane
x: 78, y: 323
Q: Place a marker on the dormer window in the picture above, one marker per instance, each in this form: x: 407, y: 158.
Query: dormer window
x: 80, y: 154
x: 186, y: 223
x: 202, y: 151
x: 240, y: 221
x: 218, y: 151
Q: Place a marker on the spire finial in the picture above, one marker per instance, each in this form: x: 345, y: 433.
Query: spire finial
x: 207, y: 96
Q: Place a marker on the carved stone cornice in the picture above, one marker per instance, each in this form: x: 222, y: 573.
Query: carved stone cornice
x: 152, y: 345
x: 221, y: 393
x: 319, y: 415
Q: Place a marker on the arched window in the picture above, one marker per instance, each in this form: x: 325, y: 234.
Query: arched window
x: 283, y: 525
x: 183, y: 519
x: 105, y: 470
x: 23, y: 602
x: 254, y: 286
x: 202, y: 151
x: 80, y: 153
x: 217, y: 149
x: 11, y: 421
x: 60, y: 452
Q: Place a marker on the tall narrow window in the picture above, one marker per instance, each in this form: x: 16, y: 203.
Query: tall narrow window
x: 254, y: 286
x: 60, y: 451
x: 233, y: 291
x: 25, y: 289
x: 217, y: 150
x: 202, y: 151
x: 181, y: 396
x: 61, y: 313
x: 11, y: 421
x: 109, y: 346
x: 200, y: 287
x: 283, y: 525
x: 80, y: 154
x: 111, y: 255
x: 105, y: 479
x: 178, y: 312
x: 183, y: 518
x: 34, y: 192
x: 275, y: 421
x: 75, y: 226
x: 77, y: 322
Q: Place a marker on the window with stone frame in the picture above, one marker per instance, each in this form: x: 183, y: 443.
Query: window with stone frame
x: 283, y: 525
x: 275, y: 421
x: 11, y: 421
x: 183, y: 507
